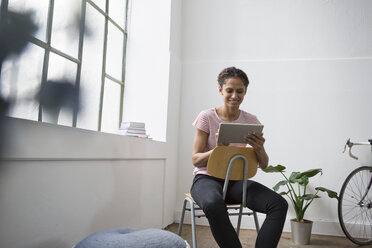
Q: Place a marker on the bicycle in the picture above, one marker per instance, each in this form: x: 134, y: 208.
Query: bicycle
x: 355, y: 201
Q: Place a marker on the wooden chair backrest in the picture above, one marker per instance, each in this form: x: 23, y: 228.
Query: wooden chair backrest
x: 221, y: 156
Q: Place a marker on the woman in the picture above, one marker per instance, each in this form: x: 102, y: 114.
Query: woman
x: 207, y: 190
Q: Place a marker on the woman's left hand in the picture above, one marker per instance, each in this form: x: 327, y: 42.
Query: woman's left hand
x: 256, y: 140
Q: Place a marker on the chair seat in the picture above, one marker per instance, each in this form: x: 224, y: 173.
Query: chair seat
x: 189, y: 196
x: 230, y: 205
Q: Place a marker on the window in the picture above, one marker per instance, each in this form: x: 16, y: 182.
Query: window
x: 83, y: 41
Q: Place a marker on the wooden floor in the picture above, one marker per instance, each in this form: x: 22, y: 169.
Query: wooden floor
x: 248, y: 237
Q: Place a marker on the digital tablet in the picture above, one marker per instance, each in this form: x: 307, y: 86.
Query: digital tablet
x: 235, y: 132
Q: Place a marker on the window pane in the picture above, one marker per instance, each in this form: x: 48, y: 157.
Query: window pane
x: 60, y: 69
x: 65, y: 37
x: 117, y: 11
x: 91, y: 71
x: 111, y: 107
x: 20, y: 80
x: 114, y: 59
x: 65, y: 28
x: 101, y: 4
x: 65, y: 117
x: 40, y: 10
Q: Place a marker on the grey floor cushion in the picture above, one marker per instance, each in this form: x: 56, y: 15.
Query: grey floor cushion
x: 134, y: 238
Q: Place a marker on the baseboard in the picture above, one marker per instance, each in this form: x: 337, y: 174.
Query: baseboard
x: 322, y: 227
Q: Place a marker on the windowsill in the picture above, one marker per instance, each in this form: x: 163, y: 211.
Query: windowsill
x: 32, y: 140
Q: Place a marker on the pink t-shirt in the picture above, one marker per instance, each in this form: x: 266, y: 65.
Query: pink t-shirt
x: 208, y: 121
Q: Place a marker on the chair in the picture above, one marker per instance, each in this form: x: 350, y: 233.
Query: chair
x: 229, y: 163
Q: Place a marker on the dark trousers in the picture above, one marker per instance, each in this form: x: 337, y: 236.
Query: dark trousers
x: 207, y: 193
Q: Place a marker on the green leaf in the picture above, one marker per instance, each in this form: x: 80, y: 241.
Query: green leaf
x: 331, y: 193
x: 301, y: 179
x: 294, y: 176
x: 308, y: 197
x: 278, y: 168
x: 277, y: 186
x: 304, y: 180
x: 298, y: 177
x: 310, y: 173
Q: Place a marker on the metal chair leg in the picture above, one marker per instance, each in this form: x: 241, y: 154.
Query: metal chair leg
x: 192, y: 211
x: 256, y: 221
x: 182, y: 217
x: 239, y: 219
x: 193, y: 228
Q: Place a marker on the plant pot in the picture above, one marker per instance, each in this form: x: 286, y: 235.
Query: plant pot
x: 301, y: 231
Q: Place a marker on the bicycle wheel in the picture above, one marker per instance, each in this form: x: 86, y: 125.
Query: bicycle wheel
x: 355, y: 216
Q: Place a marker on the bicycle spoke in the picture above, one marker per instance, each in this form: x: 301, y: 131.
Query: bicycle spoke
x: 356, y: 181
x: 353, y: 201
x: 363, y: 182
x: 354, y: 188
x: 353, y: 217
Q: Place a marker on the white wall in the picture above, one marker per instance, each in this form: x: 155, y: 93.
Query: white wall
x: 309, y: 64
x: 153, y: 81
x: 60, y: 184
x: 173, y: 117
x: 147, y: 70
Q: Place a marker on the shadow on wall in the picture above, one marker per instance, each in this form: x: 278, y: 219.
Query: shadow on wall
x: 15, y: 30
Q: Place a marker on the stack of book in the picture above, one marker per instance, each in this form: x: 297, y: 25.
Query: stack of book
x: 131, y: 128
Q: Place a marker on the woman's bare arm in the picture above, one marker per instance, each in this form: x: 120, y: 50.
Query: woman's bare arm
x: 199, y: 157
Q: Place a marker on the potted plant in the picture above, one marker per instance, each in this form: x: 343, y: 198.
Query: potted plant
x: 296, y: 191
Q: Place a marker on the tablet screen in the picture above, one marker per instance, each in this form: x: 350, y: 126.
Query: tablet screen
x: 235, y: 132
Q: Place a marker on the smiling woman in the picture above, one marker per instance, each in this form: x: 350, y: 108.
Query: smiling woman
x: 83, y: 42
x: 207, y: 190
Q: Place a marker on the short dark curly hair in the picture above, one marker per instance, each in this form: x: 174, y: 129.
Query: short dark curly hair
x: 231, y: 72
